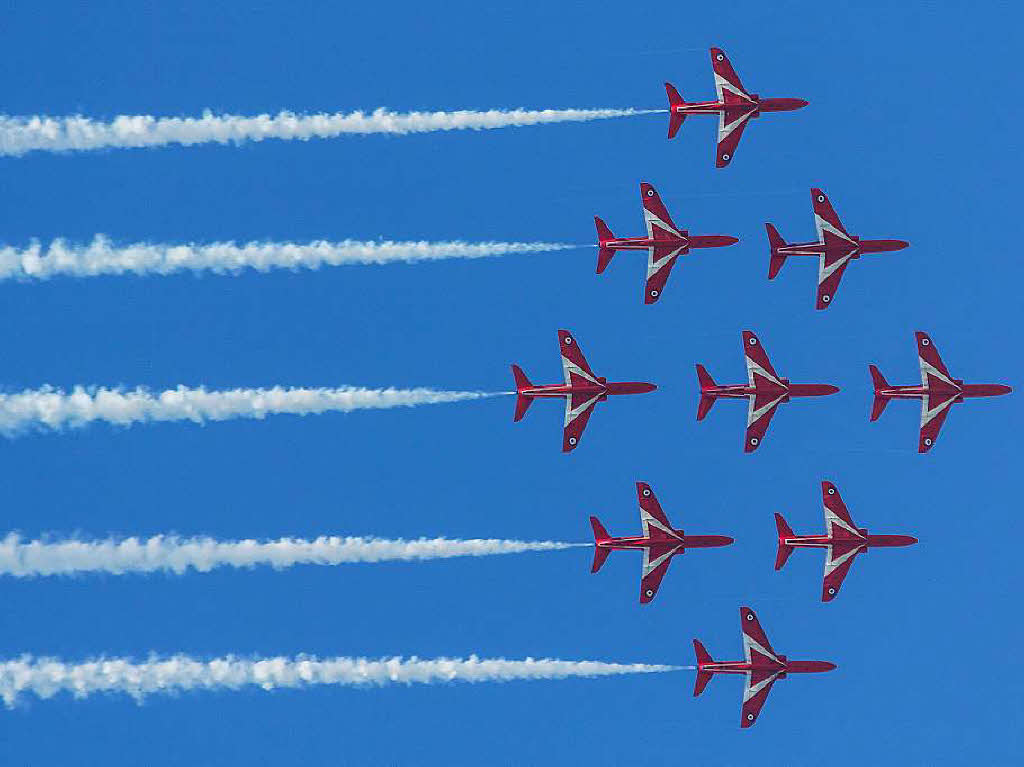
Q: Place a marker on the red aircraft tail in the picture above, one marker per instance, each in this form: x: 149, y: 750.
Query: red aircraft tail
x: 675, y: 119
x: 784, y: 532
x: 775, y: 242
x: 522, y: 400
x: 703, y: 677
x: 604, y: 255
x: 706, y: 400
x: 880, y: 400
x: 600, y: 554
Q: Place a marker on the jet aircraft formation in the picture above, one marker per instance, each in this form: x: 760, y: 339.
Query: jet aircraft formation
x: 764, y: 391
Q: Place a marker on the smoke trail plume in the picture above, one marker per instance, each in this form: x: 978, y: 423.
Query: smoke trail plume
x: 46, y: 677
x: 56, y: 409
x: 172, y: 554
x: 101, y: 256
x: 19, y: 135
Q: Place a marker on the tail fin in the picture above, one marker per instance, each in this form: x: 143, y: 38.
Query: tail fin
x: 775, y: 242
x: 675, y: 119
x: 604, y: 255
x: 784, y: 551
x: 706, y: 400
x: 878, y: 406
x: 600, y: 554
x: 703, y: 677
x: 522, y: 400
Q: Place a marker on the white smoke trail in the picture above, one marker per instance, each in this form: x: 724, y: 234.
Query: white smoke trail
x: 46, y: 677
x: 101, y: 256
x: 172, y: 554
x: 19, y: 135
x: 56, y: 409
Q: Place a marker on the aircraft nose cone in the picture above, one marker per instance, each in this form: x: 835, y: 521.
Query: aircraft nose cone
x: 646, y: 388
x: 800, y: 103
x: 900, y: 244
x: 1003, y: 389
x: 826, y: 666
x: 730, y: 240
x: 829, y: 389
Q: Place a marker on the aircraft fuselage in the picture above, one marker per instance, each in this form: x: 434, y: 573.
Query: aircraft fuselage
x: 741, y: 391
x: 859, y: 248
x: 782, y: 668
x: 961, y: 390
x: 757, y: 106
x: 686, y: 541
x: 602, y: 389
x: 685, y: 242
x: 868, y: 541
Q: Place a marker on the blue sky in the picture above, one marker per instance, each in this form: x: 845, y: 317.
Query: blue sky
x: 911, y: 133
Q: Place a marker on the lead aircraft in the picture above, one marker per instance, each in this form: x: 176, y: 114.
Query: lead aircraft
x: 733, y: 105
x: 664, y: 242
x: 765, y: 391
x: 938, y: 392
x: 834, y: 248
x: 842, y: 541
x: 581, y: 391
x: 659, y: 542
x: 762, y: 666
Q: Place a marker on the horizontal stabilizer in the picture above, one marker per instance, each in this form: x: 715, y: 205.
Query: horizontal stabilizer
x: 784, y: 551
x: 775, y: 242
x: 675, y: 119
x: 879, y: 382
x: 706, y: 401
x: 703, y: 677
x: 604, y: 257
x: 522, y: 401
x: 600, y: 553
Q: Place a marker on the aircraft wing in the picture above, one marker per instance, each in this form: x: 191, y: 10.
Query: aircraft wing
x: 931, y: 363
x: 728, y: 87
x: 934, y: 409
x: 653, y: 520
x: 731, y: 122
x: 755, y: 642
x: 830, y: 228
x: 655, y: 213
x: 755, y: 692
x: 757, y: 361
x: 838, y: 522
x: 838, y: 560
x: 574, y: 364
x: 831, y: 266
x: 578, y: 408
x: 655, y: 565
x: 660, y: 260
x: 759, y: 414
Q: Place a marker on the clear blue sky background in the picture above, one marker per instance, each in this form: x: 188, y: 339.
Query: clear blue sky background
x: 912, y: 129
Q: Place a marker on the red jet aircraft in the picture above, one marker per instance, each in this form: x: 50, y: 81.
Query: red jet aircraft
x: 834, y: 248
x: 842, y: 540
x: 733, y: 105
x: 938, y: 392
x: 765, y: 390
x: 659, y: 542
x: 581, y: 391
x: 762, y: 666
x: 664, y: 243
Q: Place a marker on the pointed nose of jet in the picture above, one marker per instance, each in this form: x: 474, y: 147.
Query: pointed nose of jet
x: 782, y: 105
x: 826, y: 666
